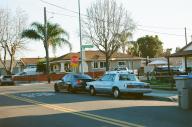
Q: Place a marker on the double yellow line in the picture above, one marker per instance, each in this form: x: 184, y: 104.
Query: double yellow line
x: 74, y: 112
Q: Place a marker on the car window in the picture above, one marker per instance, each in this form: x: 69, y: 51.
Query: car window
x: 108, y: 77
x: 82, y: 77
x: 124, y: 77
x: 67, y: 78
x: 133, y: 78
x: 7, y: 77
x: 128, y: 77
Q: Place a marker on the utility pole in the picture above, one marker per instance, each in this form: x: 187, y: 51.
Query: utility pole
x: 186, y: 35
x: 81, y: 52
x: 46, y: 45
x: 191, y: 38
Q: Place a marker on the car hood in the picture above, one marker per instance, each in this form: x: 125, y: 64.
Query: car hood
x: 59, y: 81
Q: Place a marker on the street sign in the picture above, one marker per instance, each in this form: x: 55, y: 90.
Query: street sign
x: 87, y: 46
x: 74, y: 61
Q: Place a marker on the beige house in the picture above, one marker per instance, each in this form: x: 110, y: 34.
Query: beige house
x: 28, y: 63
x: 186, y: 54
x: 94, y: 61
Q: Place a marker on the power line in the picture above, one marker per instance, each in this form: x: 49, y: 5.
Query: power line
x: 147, y: 26
x: 161, y: 27
x: 59, y: 7
x: 170, y: 34
x: 141, y: 29
x: 56, y: 13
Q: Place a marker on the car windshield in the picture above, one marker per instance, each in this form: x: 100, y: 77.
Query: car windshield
x: 128, y: 77
x: 82, y: 77
x: 108, y: 77
x: 6, y: 77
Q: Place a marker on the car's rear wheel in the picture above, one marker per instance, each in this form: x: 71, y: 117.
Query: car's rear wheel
x: 70, y: 89
x: 139, y: 95
x: 56, y: 88
x: 116, y: 93
x: 92, y: 91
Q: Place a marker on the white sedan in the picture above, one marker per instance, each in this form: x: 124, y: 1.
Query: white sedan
x: 117, y: 82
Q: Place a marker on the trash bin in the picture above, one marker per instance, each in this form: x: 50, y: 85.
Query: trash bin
x: 184, y: 87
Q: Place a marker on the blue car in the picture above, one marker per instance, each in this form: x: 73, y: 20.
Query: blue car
x: 73, y: 82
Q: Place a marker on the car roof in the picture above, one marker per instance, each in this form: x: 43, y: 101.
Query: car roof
x: 119, y: 72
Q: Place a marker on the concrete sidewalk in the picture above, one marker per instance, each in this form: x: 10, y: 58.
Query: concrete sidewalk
x: 171, y: 95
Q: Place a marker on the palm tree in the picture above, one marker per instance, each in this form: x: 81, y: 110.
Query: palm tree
x: 55, y: 38
x: 124, y: 40
x: 55, y: 35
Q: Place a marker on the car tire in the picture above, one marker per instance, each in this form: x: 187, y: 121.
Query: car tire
x: 116, y: 93
x: 70, y: 89
x: 56, y: 88
x: 139, y: 95
x: 92, y: 91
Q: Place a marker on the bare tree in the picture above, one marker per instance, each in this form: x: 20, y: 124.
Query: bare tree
x: 105, y: 21
x: 10, y: 37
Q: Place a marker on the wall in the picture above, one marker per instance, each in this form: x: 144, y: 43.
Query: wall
x: 54, y: 77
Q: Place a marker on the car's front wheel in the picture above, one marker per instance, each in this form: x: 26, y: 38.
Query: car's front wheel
x: 92, y: 91
x: 116, y: 93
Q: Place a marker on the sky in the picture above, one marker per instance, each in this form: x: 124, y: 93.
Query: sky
x: 165, y: 18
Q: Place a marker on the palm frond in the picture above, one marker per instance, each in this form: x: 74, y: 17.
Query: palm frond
x: 39, y: 28
x: 31, y: 34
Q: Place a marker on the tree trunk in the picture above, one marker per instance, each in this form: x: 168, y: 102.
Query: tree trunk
x: 11, y: 63
x: 47, y: 60
x: 107, y: 61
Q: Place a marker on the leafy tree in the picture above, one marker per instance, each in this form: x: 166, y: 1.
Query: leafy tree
x: 133, y: 49
x: 105, y: 21
x: 167, y: 52
x: 150, y: 46
x: 41, y: 67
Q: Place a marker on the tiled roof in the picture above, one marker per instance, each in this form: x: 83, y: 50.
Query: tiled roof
x: 27, y: 61
x: 186, y: 46
x: 95, y: 55
x: 182, y: 53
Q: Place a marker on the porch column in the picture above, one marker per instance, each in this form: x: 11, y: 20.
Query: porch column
x: 186, y: 64
x: 168, y: 63
x: 62, y: 69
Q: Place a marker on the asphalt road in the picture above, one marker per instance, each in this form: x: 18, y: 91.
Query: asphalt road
x: 38, y: 105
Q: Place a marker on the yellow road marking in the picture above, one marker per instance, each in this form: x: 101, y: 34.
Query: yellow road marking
x: 82, y: 114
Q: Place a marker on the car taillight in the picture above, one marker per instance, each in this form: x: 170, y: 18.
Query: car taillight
x: 130, y: 86
x: 79, y: 81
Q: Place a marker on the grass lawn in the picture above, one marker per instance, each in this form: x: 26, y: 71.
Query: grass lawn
x: 157, y: 84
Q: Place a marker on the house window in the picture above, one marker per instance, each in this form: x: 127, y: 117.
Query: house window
x: 95, y: 64
x: 102, y: 64
x: 121, y: 63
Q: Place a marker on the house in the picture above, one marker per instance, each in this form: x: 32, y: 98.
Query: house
x: 15, y: 67
x: 186, y: 54
x: 28, y: 63
x: 94, y: 61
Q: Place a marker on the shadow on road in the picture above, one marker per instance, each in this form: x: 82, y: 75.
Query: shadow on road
x: 149, y: 116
